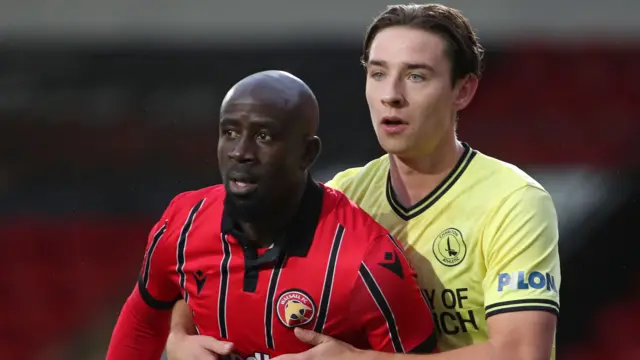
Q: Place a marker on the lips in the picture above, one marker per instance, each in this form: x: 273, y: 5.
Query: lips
x: 393, y: 120
x: 242, y: 183
x: 393, y: 124
x: 237, y: 187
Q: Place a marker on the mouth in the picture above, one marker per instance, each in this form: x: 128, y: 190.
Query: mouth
x: 393, y: 124
x: 242, y: 185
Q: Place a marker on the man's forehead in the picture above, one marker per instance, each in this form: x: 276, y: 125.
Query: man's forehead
x: 251, y: 108
x: 401, y: 45
x: 259, y: 96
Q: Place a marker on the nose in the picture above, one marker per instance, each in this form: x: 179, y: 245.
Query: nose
x: 243, y: 150
x: 393, y: 96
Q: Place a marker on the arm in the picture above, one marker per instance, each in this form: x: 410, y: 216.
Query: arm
x: 182, y: 320
x: 521, y: 284
x: 386, y: 298
x: 143, y: 324
x: 507, y: 340
x: 184, y: 343
x: 139, y: 332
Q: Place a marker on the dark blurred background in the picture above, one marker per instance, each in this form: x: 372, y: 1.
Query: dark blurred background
x: 109, y: 108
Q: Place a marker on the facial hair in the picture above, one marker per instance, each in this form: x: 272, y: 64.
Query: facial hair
x: 253, y: 208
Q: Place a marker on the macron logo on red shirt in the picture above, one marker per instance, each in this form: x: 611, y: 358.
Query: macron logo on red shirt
x: 392, y: 263
x: 200, y: 278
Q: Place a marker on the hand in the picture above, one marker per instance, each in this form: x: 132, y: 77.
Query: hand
x: 324, y: 347
x: 196, y: 347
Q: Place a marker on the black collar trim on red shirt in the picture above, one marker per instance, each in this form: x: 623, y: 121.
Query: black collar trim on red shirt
x: 299, y: 236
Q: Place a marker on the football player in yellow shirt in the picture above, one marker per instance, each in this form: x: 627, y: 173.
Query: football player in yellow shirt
x: 481, y: 234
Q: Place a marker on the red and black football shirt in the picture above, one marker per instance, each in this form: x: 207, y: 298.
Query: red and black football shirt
x: 335, y: 271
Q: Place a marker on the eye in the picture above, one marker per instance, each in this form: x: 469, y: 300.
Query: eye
x: 263, y: 136
x: 376, y: 75
x: 416, y: 77
x: 231, y: 134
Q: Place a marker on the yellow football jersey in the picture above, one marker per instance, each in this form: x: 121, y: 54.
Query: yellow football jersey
x: 484, y: 242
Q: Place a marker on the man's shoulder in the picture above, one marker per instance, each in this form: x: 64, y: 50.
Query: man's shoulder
x: 512, y: 193
x: 495, y: 181
x: 187, y: 200
x: 360, y: 235
x: 352, y: 179
x: 186, y: 206
x: 505, y: 174
x: 351, y: 216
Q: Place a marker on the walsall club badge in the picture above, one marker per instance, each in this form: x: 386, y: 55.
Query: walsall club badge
x: 295, y: 308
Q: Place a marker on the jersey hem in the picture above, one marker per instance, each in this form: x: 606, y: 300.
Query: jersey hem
x: 502, y: 307
x: 522, y: 308
x: 428, y: 346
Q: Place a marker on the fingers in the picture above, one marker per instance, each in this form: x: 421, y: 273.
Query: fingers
x: 213, y: 345
x: 300, y: 356
x: 197, y: 347
x: 310, y: 337
x: 284, y: 357
x: 192, y: 353
x: 204, y: 355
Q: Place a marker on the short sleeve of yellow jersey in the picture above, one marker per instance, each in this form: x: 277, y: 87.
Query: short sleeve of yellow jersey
x: 520, y: 244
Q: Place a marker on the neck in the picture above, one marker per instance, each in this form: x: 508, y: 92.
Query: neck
x: 414, y: 177
x: 262, y: 233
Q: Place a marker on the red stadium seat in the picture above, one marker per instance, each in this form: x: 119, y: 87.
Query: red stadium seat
x: 61, y: 274
x: 560, y: 99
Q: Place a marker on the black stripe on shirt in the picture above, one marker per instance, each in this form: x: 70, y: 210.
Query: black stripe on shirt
x: 143, y: 279
x: 224, y: 286
x: 548, y: 309
x: 427, y: 346
x: 523, y: 301
x: 397, y: 245
x: 182, y: 247
x: 147, y: 266
x: 547, y: 305
x: 383, y: 305
x: 268, y: 311
x: 153, y: 302
x: 328, y: 280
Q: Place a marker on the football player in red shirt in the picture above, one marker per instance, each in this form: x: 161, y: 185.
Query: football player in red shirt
x: 270, y: 249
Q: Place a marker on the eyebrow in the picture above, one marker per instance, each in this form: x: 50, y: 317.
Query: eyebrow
x: 266, y: 122
x: 225, y: 120
x: 409, y: 66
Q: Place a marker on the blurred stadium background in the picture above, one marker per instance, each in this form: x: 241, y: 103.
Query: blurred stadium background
x: 109, y: 108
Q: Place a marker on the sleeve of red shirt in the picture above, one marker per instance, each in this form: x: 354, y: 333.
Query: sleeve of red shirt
x: 395, y: 313
x: 143, y: 325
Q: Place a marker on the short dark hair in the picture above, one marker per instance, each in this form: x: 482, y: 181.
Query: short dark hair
x: 463, y: 48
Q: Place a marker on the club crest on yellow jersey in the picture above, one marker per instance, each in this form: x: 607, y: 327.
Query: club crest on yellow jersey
x: 449, y: 247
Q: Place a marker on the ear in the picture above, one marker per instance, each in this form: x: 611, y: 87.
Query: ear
x: 464, y: 91
x: 312, y: 149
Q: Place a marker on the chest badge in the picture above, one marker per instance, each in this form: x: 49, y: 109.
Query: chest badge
x: 449, y: 247
x: 295, y: 308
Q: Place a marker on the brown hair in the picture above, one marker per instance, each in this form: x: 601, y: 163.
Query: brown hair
x: 463, y: 49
